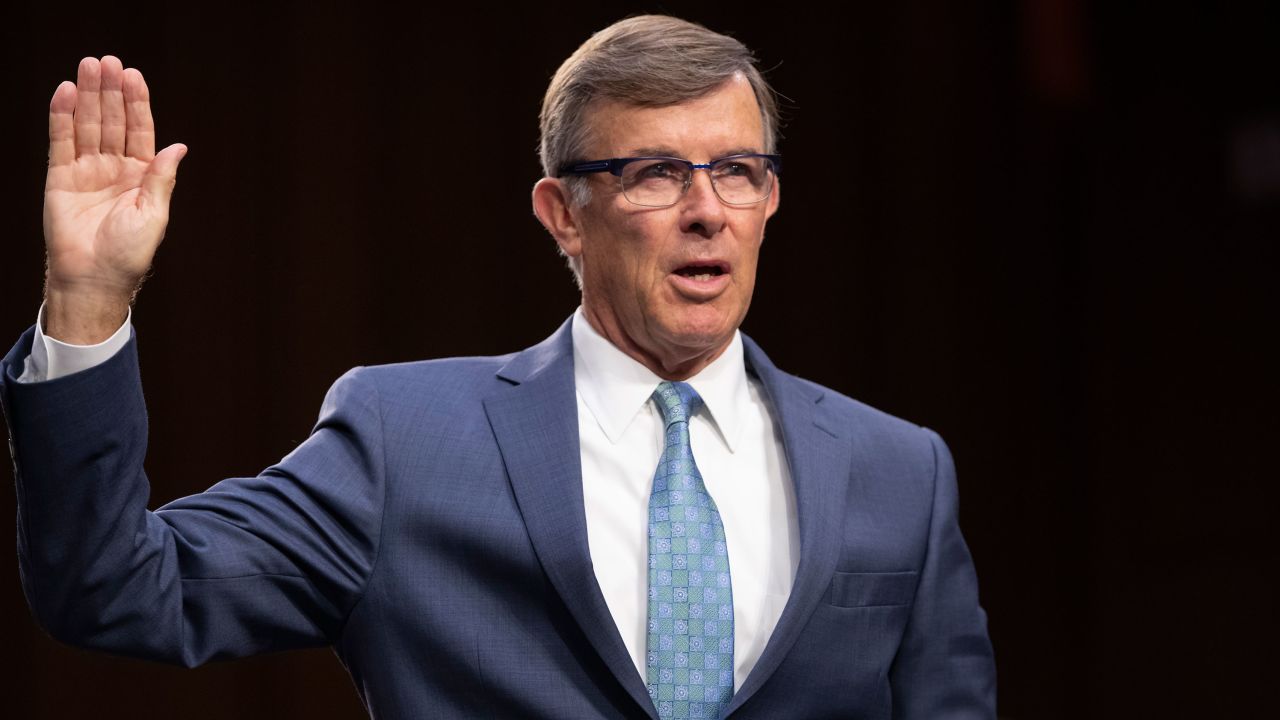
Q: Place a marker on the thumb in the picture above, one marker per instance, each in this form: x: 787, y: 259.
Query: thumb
x: 162, y: 174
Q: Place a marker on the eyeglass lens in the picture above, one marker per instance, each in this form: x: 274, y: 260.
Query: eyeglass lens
x: 658, y: 182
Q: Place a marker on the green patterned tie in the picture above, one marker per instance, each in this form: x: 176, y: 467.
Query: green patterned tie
x: 690, y: 640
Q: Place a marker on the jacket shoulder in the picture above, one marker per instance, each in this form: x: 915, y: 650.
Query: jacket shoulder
x: 859, y: 412
x: 444, y: 386
x: 439, y: 373
x: 875, y: 433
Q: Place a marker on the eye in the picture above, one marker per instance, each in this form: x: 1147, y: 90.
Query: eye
x: 746, y: 170
x: 659, y: 170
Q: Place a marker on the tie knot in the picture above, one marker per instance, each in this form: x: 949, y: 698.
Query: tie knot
x: 677, y: 401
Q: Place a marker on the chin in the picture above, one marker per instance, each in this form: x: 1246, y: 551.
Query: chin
x: 701, y: 331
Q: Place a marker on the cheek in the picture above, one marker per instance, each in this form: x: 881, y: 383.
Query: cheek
x: 641, y: 251
x: 628, y: 262
x: 749, y: 255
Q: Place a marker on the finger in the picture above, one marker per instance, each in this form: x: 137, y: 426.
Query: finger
x: 140, y: 131
x: 62, y: 128
x: 111, y: 100
x: 88, y: 110
x: 162, y: 174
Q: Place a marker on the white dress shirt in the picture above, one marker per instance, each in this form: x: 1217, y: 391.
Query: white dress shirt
x: 738, y: 448
x: 736, y: 443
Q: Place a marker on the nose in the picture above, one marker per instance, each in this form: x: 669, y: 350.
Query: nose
x: 701, y: 211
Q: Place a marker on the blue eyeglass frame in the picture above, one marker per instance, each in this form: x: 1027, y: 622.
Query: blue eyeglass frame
x: 614, y: 165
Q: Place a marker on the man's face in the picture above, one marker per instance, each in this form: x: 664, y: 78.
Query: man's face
x: 672, y: 284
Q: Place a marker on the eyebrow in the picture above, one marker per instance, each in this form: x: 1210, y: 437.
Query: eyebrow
x: 668, y: 151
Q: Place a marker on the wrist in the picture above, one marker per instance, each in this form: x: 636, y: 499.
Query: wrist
x: 84, y: 316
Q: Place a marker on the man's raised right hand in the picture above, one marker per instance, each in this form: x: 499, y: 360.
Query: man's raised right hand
x: 106, y: 199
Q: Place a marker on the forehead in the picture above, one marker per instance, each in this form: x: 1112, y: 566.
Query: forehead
x: 725, y: 121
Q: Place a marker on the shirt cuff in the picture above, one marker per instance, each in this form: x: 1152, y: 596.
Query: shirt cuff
x: 51, y: 359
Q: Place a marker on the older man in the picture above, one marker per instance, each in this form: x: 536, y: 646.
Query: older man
x: 639, y: 517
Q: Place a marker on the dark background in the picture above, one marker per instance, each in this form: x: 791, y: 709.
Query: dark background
x: 1046, y: 229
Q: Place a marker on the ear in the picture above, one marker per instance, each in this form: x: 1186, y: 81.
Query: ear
x: 552, y: 203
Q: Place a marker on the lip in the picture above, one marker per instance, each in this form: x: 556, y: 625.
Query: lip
x: 701, y: 290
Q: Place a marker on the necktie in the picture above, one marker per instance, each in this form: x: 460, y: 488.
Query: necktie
x: 690, y: 643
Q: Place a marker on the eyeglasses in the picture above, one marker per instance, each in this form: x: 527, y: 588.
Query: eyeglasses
x: 661, y: 181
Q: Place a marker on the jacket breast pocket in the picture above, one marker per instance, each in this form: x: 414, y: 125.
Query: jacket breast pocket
x: 874, y: 589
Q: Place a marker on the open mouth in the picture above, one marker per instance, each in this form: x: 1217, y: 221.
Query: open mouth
x: 702, y: 271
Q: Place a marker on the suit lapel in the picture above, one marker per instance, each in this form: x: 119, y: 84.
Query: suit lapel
x: 536, y: 425
x: 819, y: 460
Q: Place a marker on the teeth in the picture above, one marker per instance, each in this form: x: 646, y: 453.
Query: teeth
x: 703, y: 277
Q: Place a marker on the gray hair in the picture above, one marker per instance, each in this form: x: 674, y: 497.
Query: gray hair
x: 647, y: 61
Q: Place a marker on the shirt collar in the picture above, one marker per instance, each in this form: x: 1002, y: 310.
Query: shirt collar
x: 615, y: 387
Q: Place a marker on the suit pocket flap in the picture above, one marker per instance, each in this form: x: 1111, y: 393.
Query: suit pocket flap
x: 871, y: 589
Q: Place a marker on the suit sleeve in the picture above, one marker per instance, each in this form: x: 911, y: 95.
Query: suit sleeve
x: 51, y: 359
x: 252, y: 565
x: 945, y: 667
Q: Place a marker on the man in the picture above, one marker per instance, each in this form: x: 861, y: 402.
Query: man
x: 489, y: 537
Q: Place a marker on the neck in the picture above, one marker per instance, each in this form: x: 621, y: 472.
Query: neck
x: 675, y: 364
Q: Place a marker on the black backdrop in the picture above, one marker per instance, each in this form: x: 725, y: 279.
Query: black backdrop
x: 1046, y: 229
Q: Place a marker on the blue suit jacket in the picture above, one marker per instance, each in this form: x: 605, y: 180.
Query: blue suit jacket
x: 432, y: 531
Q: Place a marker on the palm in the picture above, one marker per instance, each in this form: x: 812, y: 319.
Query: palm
x: 92, y: 218
x: 107, y: 191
